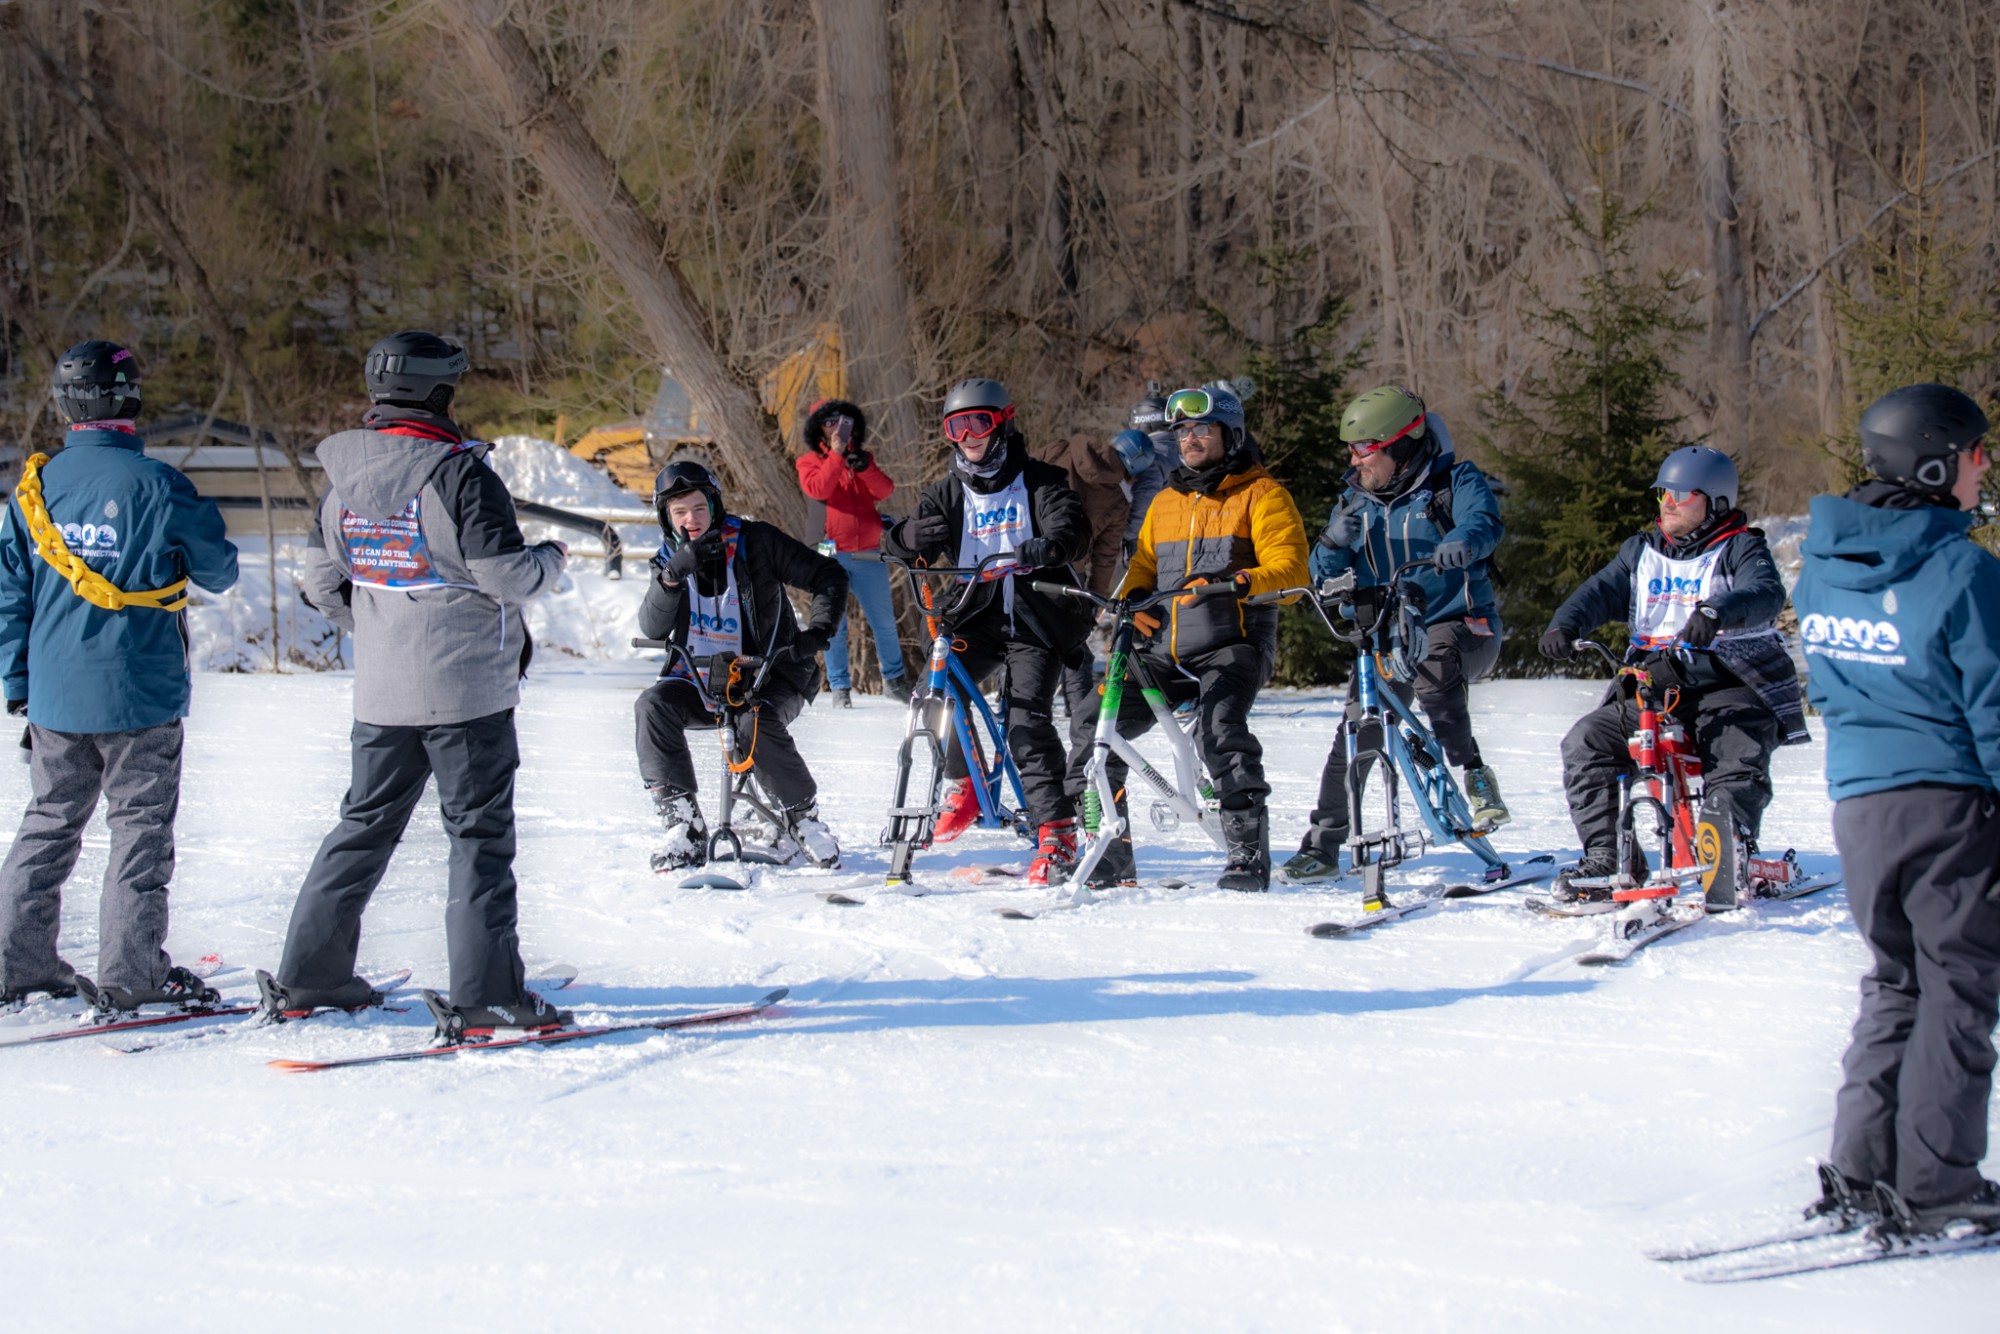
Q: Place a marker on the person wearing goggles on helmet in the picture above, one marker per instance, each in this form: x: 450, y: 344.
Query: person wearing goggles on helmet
x: 1410, y: 498
x: 995, y: 499
x: 1698, y: 578
x: 1148, y: 451
x: 1900, y: 614
x: 1222, y: 518
x: 718, y: 590
x: 837, y: 470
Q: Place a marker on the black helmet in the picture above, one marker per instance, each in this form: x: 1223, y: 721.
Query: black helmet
x: 1149, y: 414
x: 1915, y: 434
x: 685, y: 478
x: 414, y: 369
x: 97, y: 381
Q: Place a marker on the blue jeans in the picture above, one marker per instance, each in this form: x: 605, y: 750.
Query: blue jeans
x: 868, y: 580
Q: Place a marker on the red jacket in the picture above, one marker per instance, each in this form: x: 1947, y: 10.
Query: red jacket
x: 850, y: 497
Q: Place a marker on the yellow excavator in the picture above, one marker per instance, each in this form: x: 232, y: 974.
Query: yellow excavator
x: 633, y: 452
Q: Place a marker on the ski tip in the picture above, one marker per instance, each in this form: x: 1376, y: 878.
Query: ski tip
x: 774, y: 996
x: 714, y: 880
x: 1013, y: 915
x: 294, y: 1067
x: 1173, y: 884
x: 840, y: 900
x: 555, y: 977
x: 1327, y: 930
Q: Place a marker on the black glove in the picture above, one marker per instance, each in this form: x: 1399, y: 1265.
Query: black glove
x: 1701, y: 627
x: 810, y: 642
x: 17, y: 708
x: 1342, y: 530
x: 925, y: 532
x: 1452, y: 555
x: 1037, y: 552
x: 859, y: 459
x: 1665, y: 672
x: 1558, y: 643
x: 674, y: 571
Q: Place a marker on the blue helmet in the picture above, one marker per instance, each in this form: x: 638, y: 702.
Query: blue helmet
x: 1186, y: 406
x: 1699, y: 468
x: 1135, y: 450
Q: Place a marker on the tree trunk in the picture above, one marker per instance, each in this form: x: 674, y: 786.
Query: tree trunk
x: 1819, y: 214
x: 1715, y: 180
x: 549, y: 131
x: 857, y: 103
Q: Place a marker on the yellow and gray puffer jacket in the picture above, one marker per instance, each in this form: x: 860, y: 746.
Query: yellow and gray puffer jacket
x: 1212, y: 527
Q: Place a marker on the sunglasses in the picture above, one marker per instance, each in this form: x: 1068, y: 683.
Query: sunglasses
x: 1676, y: 494
x: 1366, y: 447
x: 1187, y: 404
x: 975, y: 423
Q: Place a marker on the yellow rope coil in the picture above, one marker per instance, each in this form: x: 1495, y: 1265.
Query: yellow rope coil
x: 85, y: 582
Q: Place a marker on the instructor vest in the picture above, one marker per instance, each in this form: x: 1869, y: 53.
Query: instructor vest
x: 997, y: 523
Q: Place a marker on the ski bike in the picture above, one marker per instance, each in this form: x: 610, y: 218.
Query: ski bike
x: 1699, y: 866
x: 730, y: 693
x: 949, y: 704
x: 1390, y: 640
x: 1189, y: 795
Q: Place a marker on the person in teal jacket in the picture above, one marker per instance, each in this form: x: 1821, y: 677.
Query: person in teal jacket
x: 1409, y: 498
x: 1900, y: 617
x: 98, y: 549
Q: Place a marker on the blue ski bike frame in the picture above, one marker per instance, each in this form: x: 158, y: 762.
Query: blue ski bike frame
x: 949, y: 704
x: 1389, y: 640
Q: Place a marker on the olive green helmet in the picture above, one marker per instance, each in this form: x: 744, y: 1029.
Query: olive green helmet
x: 1383, y: 417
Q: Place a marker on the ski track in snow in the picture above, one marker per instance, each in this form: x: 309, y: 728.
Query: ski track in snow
x: 1171, y: 1110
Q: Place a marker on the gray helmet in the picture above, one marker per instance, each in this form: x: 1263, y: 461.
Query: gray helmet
x: 977, y: 393
x: 1149, y: 414
x: 1699, y: 468
x: 414, y: 369
x: 1915, y: 434
x: 97, y: 381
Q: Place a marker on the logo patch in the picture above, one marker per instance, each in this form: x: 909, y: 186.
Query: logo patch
x: 1889, y: 602
x: 110, y: 509
x: 1850, y: 639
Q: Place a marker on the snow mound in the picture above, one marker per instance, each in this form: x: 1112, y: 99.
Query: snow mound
x: 548, y: 474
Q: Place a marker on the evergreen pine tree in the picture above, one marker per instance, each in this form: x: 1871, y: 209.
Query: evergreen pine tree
x: 1580, y: 442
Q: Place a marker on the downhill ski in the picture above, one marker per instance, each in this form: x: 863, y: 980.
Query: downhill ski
x: 546, y: 1039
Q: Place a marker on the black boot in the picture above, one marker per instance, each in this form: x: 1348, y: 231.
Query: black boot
x: 60, y: 987
x: 1841, y: 1196
x: 474, y: 1023
x: 277, y: 1003
x: 1117, y: 866
x: 1248, y: 835
x: 181, y: 988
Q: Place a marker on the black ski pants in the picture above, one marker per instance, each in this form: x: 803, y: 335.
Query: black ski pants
x: 1224, y: 683
x: 1029, y: 675
x: 1734, y: 733
x: 473, y: 763
x: 671, y: 705
x: 1454, y: 657
x: 1923, y: 880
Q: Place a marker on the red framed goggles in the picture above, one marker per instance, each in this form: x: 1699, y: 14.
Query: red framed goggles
x: 1679, y: 495
x: 1367, y: 447
x: 975, y: 423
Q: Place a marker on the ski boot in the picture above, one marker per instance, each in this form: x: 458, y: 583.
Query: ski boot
x: 1841, y: 1197
x: 1055, y: 853
x: 1979, y: 1210
x: 1248, y: 836
x: 60, y: 987
x: 180, y: 988
x: 803, y: 827
x: 1571, y: 884
x: 843, y: 698
x: 1482, y: 792
x: 1310, y: 864
x: 457, y: 1024
x: 277, y: 1003
x: 686, y: 844
x: 1117, y: 866
x: 957, y: 814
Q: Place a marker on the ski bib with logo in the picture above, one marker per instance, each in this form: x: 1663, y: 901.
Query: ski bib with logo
x: 389, y: 553
x: 1666, y: 591
x: 715, y: 625
x: 996, y: 523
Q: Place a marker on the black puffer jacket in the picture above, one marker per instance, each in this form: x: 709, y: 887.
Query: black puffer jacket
x: 1056, y: 513
x: 768, y: 560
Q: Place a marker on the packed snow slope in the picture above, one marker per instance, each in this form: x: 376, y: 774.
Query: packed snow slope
x: 1171, y: 1110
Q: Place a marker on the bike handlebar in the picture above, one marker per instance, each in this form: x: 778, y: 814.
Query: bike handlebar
x: 761, y: 665
x: 1132, y: 606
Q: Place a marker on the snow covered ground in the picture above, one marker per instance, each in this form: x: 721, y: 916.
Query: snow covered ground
x: 1169, y: 1111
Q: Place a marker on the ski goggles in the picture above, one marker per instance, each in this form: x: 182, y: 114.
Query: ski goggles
x: 975, y: 423
x: 1679, y: 495
x: 1190, y: 407
x: 1364, y: 448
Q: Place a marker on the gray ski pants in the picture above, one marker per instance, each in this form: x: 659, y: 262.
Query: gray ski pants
x: 138, y: 773
x: 474, y: 764
x: 1923, y: 867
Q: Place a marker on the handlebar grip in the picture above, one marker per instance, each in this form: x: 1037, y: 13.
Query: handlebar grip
x: 1067, y: 590
x: 649, y: 643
